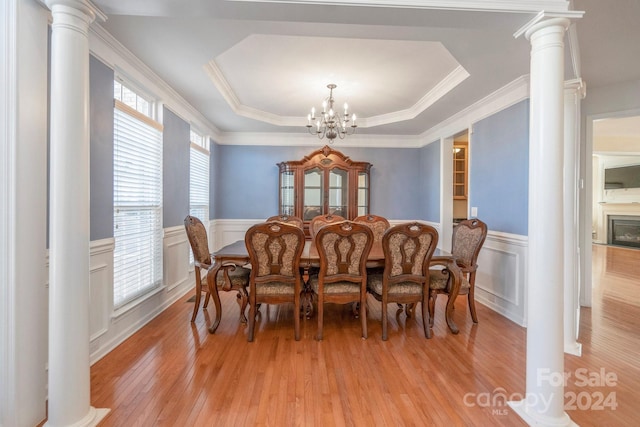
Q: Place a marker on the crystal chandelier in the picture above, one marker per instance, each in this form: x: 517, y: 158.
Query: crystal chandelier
x: 330, y: 123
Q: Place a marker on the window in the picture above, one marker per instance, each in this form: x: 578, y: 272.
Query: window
x: 137, y: 196
x: 199, y: 180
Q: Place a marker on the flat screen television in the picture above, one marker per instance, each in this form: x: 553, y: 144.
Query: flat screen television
x: 622, y: 177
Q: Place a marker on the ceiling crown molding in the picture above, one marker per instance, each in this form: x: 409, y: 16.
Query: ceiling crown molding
x: 447, y: 84
x: 523, y: 6
x: 506, y: 96
x: 116, y: 56
x: 458, y: 75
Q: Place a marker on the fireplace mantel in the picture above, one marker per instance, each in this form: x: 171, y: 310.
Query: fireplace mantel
x: 606, y: 209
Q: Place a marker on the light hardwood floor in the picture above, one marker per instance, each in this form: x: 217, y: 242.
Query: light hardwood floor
x: 174, y: 373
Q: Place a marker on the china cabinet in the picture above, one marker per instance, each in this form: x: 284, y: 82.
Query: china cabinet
x: 324, y: 182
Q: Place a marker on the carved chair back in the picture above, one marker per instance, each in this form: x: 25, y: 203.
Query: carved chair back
x: 378, y: 225
x: 468, y: 237
x: 320, y: 221
x: 288, y: 219
x: 197, y: 235
x: 408, y: 249
x: 343, y: 248
x: 275, y: 249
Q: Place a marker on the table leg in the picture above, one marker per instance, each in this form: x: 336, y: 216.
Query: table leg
x: 243, y: 300
x: 213, y: 290
x: 455, y: 275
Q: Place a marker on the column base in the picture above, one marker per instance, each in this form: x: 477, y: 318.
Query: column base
x: 574, y: 348
x: 92, y: 419
x: 536, y: 419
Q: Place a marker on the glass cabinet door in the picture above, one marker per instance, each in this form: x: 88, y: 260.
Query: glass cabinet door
x: 338, y: 192
x: 287, y: 193
x: 313, y: 190
x: 363, y: 193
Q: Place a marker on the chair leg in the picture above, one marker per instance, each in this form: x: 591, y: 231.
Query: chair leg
x: 296, y: 316
x: 196, y: 305
x: 216, y: 302
x: 384, y: 318
x: 243, y: 299
x: 363, y: 315
x: 472, y: 303
x: 252, y: 315
x: 206, y: 299
x: 432, y: 306
x: 426, y: 322
x: 320, y: 315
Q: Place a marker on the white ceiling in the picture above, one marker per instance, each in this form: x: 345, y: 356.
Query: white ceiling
x: 260, y: 66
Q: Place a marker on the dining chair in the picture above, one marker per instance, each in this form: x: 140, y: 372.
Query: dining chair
x: 378, y: 225
x: 275, y: 249
x: 321, y: 220
x: 468, y: 237
x: 229, y: 276
x: 408, y: 249
x: 288, y: 219
x: 343, y: 248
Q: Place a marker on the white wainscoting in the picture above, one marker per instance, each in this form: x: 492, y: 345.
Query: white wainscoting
x: 501, y: 278
x: 108, y: 330
x: 225, y: 231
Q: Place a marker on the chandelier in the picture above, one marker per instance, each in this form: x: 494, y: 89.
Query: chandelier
x: 330, y: 123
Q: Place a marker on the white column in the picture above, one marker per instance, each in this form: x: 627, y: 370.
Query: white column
x: 573, y: 93
x: 544, y: 400
x: 69, y: 365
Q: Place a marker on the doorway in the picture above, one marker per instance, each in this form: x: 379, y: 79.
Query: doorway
x: 613, y: 142
x: 461, y: 176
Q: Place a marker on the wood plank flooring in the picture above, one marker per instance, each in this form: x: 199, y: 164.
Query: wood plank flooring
x: 174, y: 373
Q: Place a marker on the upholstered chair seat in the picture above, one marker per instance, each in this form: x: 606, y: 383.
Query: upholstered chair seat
x: 374, y: 283
x: 239, y: 276
x: 334, y: 288
x: 439, y: 280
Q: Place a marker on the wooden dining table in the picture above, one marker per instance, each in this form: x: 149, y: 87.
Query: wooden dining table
x: 236, y: 254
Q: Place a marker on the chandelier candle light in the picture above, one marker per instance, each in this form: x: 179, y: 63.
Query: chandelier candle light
x: 330, y: 123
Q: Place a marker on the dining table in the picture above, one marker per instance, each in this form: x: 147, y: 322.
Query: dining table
x: 236, y: 254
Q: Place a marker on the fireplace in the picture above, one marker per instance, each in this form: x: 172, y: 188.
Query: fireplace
x: 624, y: 230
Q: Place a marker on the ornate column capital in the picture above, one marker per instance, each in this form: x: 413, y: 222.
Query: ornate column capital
x: 86, y: 7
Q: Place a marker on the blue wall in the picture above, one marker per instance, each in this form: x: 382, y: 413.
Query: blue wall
x: 430, y: 182
x: 405, y: 182
x: 247, y: 179
x: 101, y: 148
x: 499, y: 169
x: 213, y: 180
x: 175, y: 169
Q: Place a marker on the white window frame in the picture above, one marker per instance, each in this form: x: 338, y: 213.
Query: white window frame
x: 199, y: 185
x: 138, y: 230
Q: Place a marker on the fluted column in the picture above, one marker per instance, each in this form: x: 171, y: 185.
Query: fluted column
x: 69, y: 379
x: 573, y: 93
x: 544, y: 400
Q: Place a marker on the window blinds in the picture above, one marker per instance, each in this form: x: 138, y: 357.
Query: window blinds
x: 137, y: 204
x: 199, y: 184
